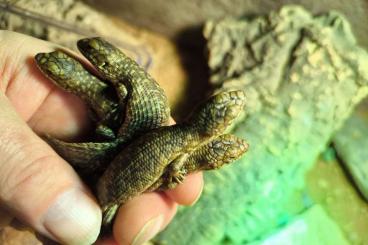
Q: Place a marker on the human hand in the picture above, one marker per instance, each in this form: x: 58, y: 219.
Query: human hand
x: 38, y: 187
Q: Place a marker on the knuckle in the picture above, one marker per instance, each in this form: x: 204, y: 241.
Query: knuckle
x: 12, y: 143
x: 22, y: 181
x: 10, y: 46
x: 4, y: 34
x: 23, y: 160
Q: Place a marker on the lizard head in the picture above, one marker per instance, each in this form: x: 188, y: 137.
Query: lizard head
x: 104, y: 56
x: 218, y: 112
x: 223, y: 150
x: 58, y: 66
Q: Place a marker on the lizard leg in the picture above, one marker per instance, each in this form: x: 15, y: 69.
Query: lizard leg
x: 175, y: 173
x: 212, y: 155
x: 122, y: 92
x: 103, y: 132
x: 108, y: 214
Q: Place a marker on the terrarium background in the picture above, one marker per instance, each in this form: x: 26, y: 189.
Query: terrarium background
x: 172, y: 38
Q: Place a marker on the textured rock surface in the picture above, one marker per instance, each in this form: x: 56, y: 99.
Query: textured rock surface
x: 175, y: 16
x: 65, y: 22
x: 302, y: 76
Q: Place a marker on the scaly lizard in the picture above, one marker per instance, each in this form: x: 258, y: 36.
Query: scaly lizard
x: 133, y: 149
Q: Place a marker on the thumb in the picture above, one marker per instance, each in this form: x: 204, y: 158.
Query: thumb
x: 41, y: 189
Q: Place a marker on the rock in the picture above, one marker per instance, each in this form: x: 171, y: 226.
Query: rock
x: 174, y: 17
x: 302, y: 75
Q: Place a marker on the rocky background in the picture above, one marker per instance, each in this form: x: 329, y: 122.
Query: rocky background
x: 175, y: 17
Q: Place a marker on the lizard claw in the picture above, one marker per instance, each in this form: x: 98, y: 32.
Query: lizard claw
x: 178, y: 177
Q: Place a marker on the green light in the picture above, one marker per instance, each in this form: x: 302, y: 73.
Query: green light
x: 313, y: 227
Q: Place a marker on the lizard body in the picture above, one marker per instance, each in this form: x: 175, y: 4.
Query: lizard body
x: 70, y: 75
x: 167, y: 149
x: 139, y: 153
x: 147, y: 106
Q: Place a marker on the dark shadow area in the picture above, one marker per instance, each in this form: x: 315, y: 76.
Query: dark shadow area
x: 347, y: 172
x: 192, y: 50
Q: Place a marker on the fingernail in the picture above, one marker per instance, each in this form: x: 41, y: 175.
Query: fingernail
x: 74, y: 218
x: 199, y: 195
x: 149, y: 230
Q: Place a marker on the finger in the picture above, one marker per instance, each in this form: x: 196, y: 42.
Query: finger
x: 47, y: 120
x: 107, y: 241
x: 189, y: 191
x: 142, y: 218
x: 32, y: 95
x: 40, y: 188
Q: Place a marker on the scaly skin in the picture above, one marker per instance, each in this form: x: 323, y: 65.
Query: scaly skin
x: 87, y: 157
x: 143, y: 154
x: 164, y: 156
x: 143, y: 107
x: 147, y: 106
x: 71, y: 76
x: 216, y: 153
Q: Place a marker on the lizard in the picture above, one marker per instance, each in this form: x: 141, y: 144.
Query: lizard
x: 139, y: 152
x: 132, y: 109
x: 162, y: 157
x: 147, y: 106
x: 71, y: 76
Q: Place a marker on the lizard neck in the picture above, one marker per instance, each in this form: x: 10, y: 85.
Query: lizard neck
x: 191, y: 136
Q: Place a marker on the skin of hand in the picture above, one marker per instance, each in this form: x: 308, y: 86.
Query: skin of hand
x: 39, y: 188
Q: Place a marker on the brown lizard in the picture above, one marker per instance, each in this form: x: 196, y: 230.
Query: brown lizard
x: 122, y: 110
x: 161, y: 158
x: 137, y: 150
